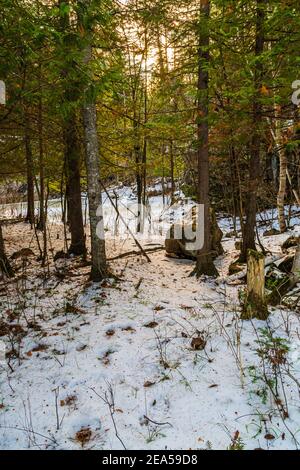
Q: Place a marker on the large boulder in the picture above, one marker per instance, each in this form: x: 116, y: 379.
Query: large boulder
x: 178, y: 247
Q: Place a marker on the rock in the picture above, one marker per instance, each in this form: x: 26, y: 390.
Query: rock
x: 178, y: 246
x: 271, y: 232
x: 290, y: 243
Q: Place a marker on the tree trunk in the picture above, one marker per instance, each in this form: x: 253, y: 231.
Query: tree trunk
x: 282, y: 179
x: 254, y: 167
x: 138, y: 162
x: 72, y: 158
x: 99, y: 265
x: 145, y: 144
x: 255, y: 305
x: 204, y: 263
x: 5, y: 266
x: 71, y: 146
x: 172, y: 167
x: 41, y: 222
x: 29, y: 168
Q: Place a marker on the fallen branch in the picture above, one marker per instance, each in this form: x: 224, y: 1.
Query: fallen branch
x: 127, y: 227
x: 134, y: 252
x: 13, y: 221
x: 157, y: 424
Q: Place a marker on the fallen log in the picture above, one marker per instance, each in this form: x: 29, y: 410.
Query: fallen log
x: 243, y: 274
x: 12, y: 221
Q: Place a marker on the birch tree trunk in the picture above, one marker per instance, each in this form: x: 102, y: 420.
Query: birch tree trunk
x: 99, y: 264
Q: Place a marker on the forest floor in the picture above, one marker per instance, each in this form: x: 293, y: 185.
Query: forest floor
x: 154, y: 360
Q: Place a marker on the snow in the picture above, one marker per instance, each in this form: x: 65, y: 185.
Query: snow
x: 104, y: 351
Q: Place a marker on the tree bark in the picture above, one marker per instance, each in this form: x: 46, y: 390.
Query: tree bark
x: 282, y: 180
x: 172, y: 169
x: 204, y: 263
x: 41, y: 222
x: 72, y: 149
x: 138, y: 163
x: 72, y: 158
x: 5, y: 266
x: 254, y: 166
x: 29, y: 168
x: 255, y: 305
x: 99, y: 264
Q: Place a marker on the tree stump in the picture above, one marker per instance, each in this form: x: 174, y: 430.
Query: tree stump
x: 255, y: 305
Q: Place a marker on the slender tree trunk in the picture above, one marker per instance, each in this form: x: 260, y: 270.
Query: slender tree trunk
x: 72, y: 158
x: 41, y: 222
x: 139, y: 173
x: 5, y: 266
x: 145, y: 145
x: 172, y: 172
x: 254, y: 166
x: 205, y: 263
x: 282, y: 178
x: 29, y: 168
x: 99, y: 264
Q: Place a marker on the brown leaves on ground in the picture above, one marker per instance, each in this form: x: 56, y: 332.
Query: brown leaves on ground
x: 151, y: 324
x: 110, y: 332
x: 158, y: 308
x: 148, y: 384
x: 83, y: 436
x: 70, y: 400
x: 24, y: 253
x: 129, y: 328
x: 15, y: 329
x: 198, y: 344
x: 69, y: 308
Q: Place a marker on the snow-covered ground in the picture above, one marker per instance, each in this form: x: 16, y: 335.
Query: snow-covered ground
x: 120, y: 360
